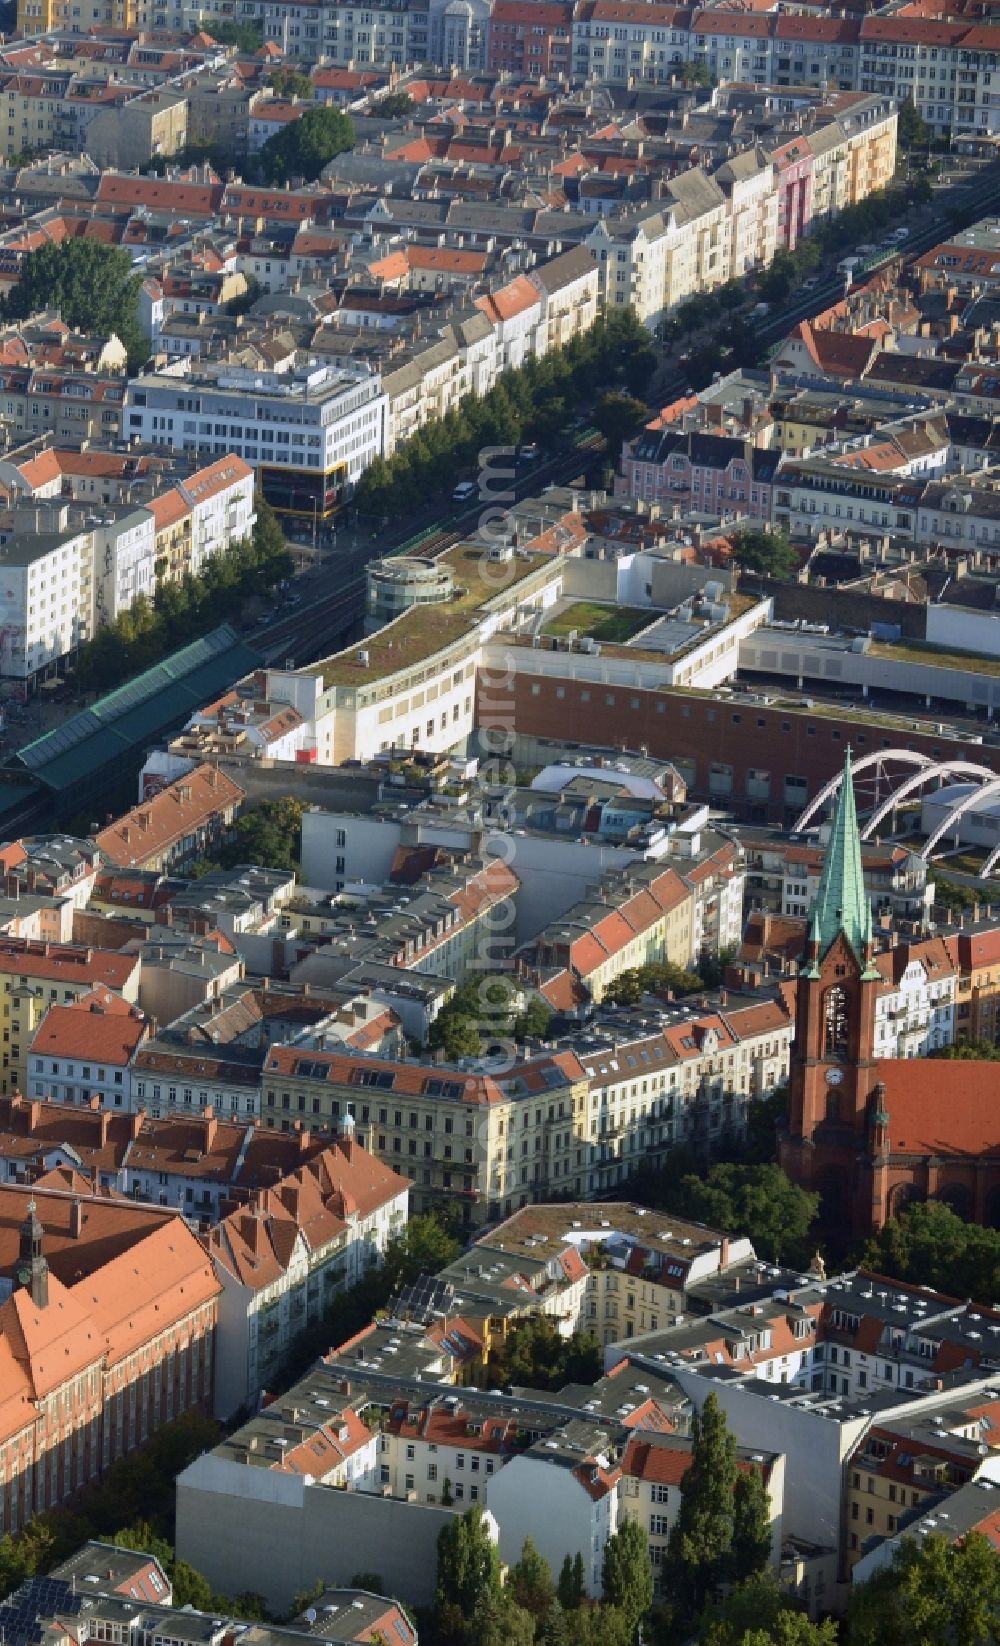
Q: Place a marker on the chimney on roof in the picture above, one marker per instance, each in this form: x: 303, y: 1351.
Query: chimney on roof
x: 135, y: 1123
x: 76, y: 1219
x: 105, y: 1124
x: 723, y: 1254
x: 211, y: 1125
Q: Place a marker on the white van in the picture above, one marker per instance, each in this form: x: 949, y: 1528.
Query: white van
x: 465, y: 492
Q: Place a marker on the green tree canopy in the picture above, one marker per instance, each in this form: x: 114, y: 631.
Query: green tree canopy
x: 701, y: 1539
x: 912, y: 130
x: 290, y: 83
x: 530, y: 1581
x: 571, y: 1587
x: 758, y: 1613
x: 423, y: 1247
x: 969, y: 1051
x: 758, y: 1201
x: 94, y: 286
x: 395, y: 105
x: 535, y: 1355
x: 246, y: 37
x: 751, y: 1546
x: 468, y: 1570
x: 270, y: 835
x: 304, y: 146
x: 768, y: 552
x: 929, y: 1245
x: 627, y: 1575
x: 618, y: 416
x: 656, y: 976
x: 935, y: 1593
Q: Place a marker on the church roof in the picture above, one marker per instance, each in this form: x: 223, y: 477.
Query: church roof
x: 942, y: 1108
x: 842, y: 903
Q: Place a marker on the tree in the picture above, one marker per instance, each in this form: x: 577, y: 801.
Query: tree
x: 912, y: 130
x: 499, y: 1621
x: 395, y: 105
x: 530, y: 1581
x: 656, y: 976
x: 455, y: 1035
x: 701, y: 1539
x: 639, y: 369
x: 533, y: 1022
x: 618, y: 416
x: 970, y: 1051
x: 627, y: 1575
x: 553, y: 1629
x: 468, y: 1565
x: 423, y: 1247
x: 697, y: 74
x: 929, y: 1245
x: 758, y: 1613
x: 751, y: 1548
x: 270, y: 834
x: 93, y: 285
x: 768, y: 552
x: 304, y: 146
x: 760, y: 1202
x: 247, y: 37
x: 291, y: 83
x: 571, y: 1587
x: 934, y: 1591
x: 535, y: 1355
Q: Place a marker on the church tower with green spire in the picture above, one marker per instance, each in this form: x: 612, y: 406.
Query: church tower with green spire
x: 842, y: 905
x: 833, y: 1063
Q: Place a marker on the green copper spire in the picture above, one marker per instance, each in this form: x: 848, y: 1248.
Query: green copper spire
x: 842, y: 903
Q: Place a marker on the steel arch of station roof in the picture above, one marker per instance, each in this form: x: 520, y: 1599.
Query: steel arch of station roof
x: 958, y: 811
x: 939, y: 768
x: 905, y: 757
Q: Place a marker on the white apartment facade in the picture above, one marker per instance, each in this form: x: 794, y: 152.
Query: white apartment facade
x: 308, y: 434
x: 46, y: 594
x: 284, y: 1258
x: 915, y: 1012
x: 124, y: 558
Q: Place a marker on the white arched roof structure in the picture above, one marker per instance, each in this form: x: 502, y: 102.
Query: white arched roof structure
x: 966, y: 804
x: 939, y: 768
x: 904, y: 757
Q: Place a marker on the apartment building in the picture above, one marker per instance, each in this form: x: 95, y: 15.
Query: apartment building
x: 699, y: 470
x: 35, y: 976
x: 915, y: 1007
x: 904, y: 1468
x: 975, y: 955
x: 284, y: 1256
x: 195, y: 1164
x: 82, y: 1052
x: 646, y: 912
x: 308, y: 434
x: 186, y: 819
x: 815, y: 494
x: 609, y: 1268
x: 46, y: 601
x: 945, y: 68
x: 115, y: 1307
x: 575, y: 1121
x: 530, y: 39
x: 822, y: 1367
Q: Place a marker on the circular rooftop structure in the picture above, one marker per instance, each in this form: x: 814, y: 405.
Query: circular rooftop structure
x: 409, y: 580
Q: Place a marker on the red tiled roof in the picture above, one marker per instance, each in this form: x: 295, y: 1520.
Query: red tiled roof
x: 939, y: 1107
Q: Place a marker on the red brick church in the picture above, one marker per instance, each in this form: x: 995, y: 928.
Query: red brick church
x: 872, y: 1133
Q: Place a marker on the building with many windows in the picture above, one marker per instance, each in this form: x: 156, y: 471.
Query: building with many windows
x: 108, y: 1327
x: 308, y: 434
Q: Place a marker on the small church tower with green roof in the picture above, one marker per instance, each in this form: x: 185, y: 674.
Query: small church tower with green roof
x: 831, y: 1122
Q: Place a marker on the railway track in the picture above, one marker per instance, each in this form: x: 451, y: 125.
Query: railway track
x: 327, y: 625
